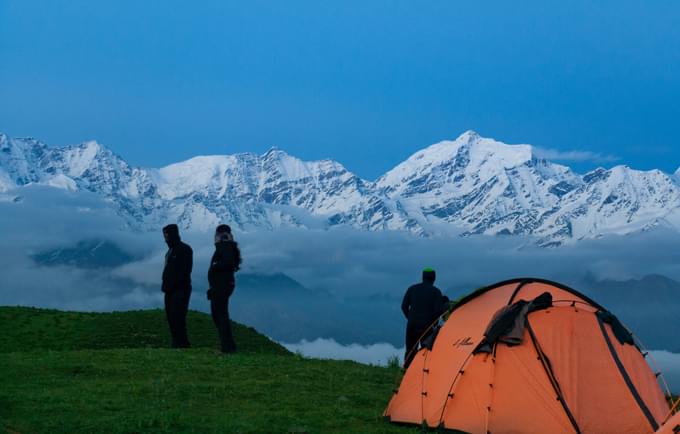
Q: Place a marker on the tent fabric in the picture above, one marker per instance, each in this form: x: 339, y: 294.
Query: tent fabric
x: 568, y: 373
x: 671, y: 427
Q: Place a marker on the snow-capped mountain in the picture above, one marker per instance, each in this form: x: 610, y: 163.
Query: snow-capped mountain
x: 471, y: 185
x: 487, y: 187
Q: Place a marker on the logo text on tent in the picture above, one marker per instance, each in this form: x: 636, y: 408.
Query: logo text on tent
x: 463, y: 342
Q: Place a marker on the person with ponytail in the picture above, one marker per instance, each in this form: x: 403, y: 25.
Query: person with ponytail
x: 225, y: 262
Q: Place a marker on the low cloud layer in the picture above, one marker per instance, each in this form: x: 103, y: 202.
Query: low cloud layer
x: 342, y: 260
x: 380, y: 354
x: 577, y: 156
x: 669, y: 365
x: 377, y: 354
x: 353, y: 263
x: 348, y: 264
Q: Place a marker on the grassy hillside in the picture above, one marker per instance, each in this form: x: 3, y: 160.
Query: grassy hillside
x: 30, y: 329
x: 66, y: 372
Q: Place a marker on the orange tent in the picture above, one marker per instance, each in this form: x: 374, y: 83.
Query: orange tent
x: 530, y: 356
x: 671, y: 427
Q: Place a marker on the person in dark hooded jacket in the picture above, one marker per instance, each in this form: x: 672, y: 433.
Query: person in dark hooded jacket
x: 224, y: 263
x: 177, y: 285
x: 423, y: 303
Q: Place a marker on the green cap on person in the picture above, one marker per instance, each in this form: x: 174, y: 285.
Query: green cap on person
x: 429, y: 275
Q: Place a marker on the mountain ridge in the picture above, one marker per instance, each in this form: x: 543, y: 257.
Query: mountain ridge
x: 467, y: 186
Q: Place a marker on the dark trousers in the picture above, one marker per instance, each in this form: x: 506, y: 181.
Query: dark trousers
x: 413, y: 333
x: 176, y: 307
x: 219, y: 309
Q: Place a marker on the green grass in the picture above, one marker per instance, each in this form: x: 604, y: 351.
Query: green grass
x: 65, y: 372
x: 30, y: 329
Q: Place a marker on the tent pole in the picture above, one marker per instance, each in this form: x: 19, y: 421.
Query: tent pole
x: 491, y: 381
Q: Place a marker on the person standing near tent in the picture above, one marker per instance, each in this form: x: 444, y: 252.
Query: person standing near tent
x: 423, y: 303
x: 176, y: 285
x: 224, y: 263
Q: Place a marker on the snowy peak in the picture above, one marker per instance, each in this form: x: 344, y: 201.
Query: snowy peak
x: 483, y: 186
x: 469, y: 135
x: 467, y: 154
x: 252, y: 190
x: 473, y: 185
x: 20, y: 160
x: 87, y: 156
x: 444, y: 178
x: 194, y: 175
x: 285, y: 167
x: 277, y: 161
x: 274, y: 153
x: 482, y: 150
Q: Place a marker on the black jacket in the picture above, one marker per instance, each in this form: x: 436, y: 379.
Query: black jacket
x: 423, y: 303
x: 179, y: 261
x: 224, y: 263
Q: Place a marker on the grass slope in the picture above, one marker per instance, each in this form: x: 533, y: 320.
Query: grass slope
x: 31, y: 329
x: 67, y: 372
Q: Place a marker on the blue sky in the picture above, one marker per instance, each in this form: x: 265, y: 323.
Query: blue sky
x: 364, y: 82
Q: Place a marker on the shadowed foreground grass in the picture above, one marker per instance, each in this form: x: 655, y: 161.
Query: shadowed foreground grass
x: 66, y: 384
x: 157, y: 390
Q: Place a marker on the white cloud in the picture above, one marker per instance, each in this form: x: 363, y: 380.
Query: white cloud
x: 377, y: 354
x: 578, y: 156
x: 347, y: 262
x: 669, y: 365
